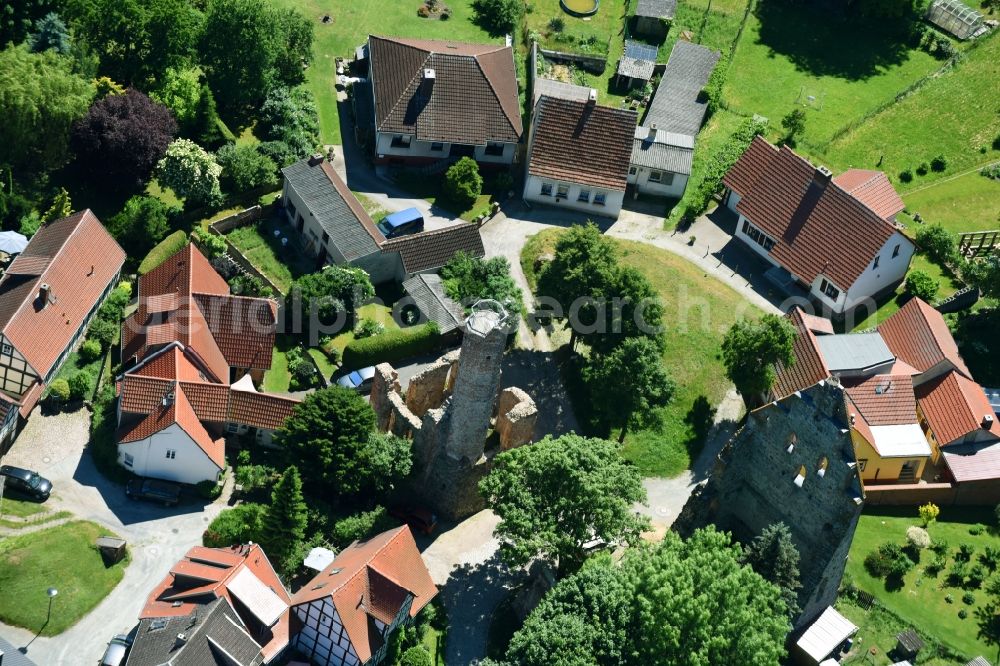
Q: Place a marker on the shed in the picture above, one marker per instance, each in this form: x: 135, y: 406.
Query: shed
x: 908, y: 644
x: 428, y: 294
x: 652, y: 17
x: 955, y: 17
x: 637, y: 63
x: 112, y: 548
x: 824, y: 636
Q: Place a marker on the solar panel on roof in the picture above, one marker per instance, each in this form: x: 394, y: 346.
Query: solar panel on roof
x: 640, y: 51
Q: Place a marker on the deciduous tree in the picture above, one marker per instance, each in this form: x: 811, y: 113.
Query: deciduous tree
x: 750, y: 350
x: 498, y: 17
x: 191, y: 172
x: 469, y: 279
x: 245, y: 168
x: 462, y: 182
x: 794, y: 123
x: 330, y: 297
x: 141, y: 224
x: 559, y: 494
x: 180, y: 91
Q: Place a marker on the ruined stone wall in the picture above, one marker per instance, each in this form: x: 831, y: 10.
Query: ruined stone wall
x: 516, y: 418
x: 384, y: 384
x: 429, y: 388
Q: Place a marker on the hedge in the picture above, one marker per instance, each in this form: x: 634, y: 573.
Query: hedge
x: 391, y: 346
x: 161, y: 252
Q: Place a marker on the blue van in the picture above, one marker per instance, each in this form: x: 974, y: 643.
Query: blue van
x: 403, y: 223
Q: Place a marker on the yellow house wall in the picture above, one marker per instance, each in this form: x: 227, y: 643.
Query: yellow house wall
x: 877, y: 468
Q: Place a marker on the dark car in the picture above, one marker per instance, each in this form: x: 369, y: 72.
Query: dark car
x: 164, y: 492
x: 359, y: 380
x: 418, y: 518
x: 403, y: 223
x: 116, y: 651
x: 25, y: 482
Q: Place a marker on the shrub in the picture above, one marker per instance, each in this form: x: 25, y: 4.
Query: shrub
x: 503, y: 183
x: 918, y: 537
x: 905, y: 175
x: 929, y: 513
x: 213, y: 246
x: 940, y: 547
x: 956, y: 577
x: 921, y: 285
x: 990, y: 558
x: 301, y: 368
x: 333, y: 354
x: 962, y: 614
x: 80, y: 385
x: 254, y: 477
x: 557, y: 24
x: 949, y: 599
x: 992, y: 171
x: 423, y: 11
x: 102, y: 331
x: 360, y: 525
x: 922, y: 169
x: 936, y: 566
x: 242, y: 523
x: 939, y: 163
x: 250, y: 285
x: 977, y: 575
x: 968, y: 598
x: 889, y: 561
x: 90, y: 350
x: 416, y: 656
x: 392, y: 346
x: 976, y: 530
x: 30, y: 223
x: 368, y: 327
x: 462, y: 182
x: 498, y: 17
x: 209, y: 490
x: 59, y: 390
x: 964, y: 553
x: 245, y: 168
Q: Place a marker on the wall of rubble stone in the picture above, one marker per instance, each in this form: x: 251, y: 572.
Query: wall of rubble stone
x: 516, y: 418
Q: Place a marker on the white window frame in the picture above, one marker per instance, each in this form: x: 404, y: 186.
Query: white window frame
x: 171, y: 454
x: 600, y: 198
x: 826, y: 287
x: 655, y: 176
x: 128, y: 459
x: 631, y: 171
x: 562, y: 191
x: 583, y: 196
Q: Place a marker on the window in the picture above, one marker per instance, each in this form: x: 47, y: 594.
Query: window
x: 600, y: 198
x: 437, y: 146
x: 631, y: 171
x: 828, y: 289
x: 232, y: 427
x: 128, y: 460
x: 668, y: 178
x: 800, y: 477
x: 862, y: 463
x: 291, y: 209
x: 546, y: 189
x: 171, y: 454
x: 895, y: 251
x: 326, y: 238
x: 401, y: 141
x: 562, y: 191
x: 655, y: 176
x: 758, y: 236
x: 495, y: 149
x: 7, y: 350
x: 875, y: 265
x: 584, y: 196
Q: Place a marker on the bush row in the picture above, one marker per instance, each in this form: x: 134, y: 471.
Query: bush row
x: 392, y: 346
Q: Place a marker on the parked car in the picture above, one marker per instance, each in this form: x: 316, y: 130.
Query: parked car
x: 116, y: 651
x: 19, y: 481
x: 403, y: 223
x: 359, y: 380
x: 154, y: 490
x: 418, y: 518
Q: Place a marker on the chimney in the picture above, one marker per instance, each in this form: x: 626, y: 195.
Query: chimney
x: 45, y: 294
x: 592, y: 99
x: 180, y: 641
x: 316, y: 158
x: 168, y: 399
x: 427, y: 82
x: 823, y: 175
x: 652, y: 133
x: 987, y: 422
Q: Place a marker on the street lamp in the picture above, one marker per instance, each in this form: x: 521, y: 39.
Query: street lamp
x: 52, y: 592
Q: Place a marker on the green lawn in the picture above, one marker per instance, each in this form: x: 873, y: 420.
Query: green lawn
x: 352, y: 23
x: 75, y: 363
x: 378, y: 312
x: 19, y: 508
x: 282, y: 264
x: 322, y: 362
x: 947, y: 116
x: 967, y: 203
x: 878, y: 628
x: 63, y: 557
x: 374, y: 210
x: 277, y: 378
x: 921, y: 599
x: 698, y: 311
x: 429, y: 188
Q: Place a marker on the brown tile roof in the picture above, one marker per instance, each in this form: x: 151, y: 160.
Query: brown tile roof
x: 243, y: 328
x: 820, y: 325
x: 919, y: 335
x: 754, y: 162
x: 182, y: 273
x: 974, y: 463
x: 261, y: 410
x: 78, y: 259
x: 873, y: 189
x: 371, y: 579
x: 210, y: 401
x: 954, y: 406
x: 820, y: 228
x: 581, y: 142
x: 473, y: 98
x: 30, y: 399
x: 433, y: 249
x: 808, y: 368
x: 885, y: 400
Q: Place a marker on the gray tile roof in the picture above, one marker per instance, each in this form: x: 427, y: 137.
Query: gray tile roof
x: 636, y: 69
x: 12, y: 656
x: 430, y: 250
x: 675, y: 106
x: 558, y: 89
x: 428, y: 293
x: 215, y: 636
x: 336, y: 209
x: 667, y: 151
x: 656, y: 8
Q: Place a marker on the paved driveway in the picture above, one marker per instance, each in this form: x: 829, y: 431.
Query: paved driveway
x: 157, y: 537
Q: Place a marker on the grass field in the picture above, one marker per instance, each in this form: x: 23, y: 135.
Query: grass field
x: 697, y: 314
x: 946, y: 116
x: 878, y: 628
x: 352, y: 23
x: 921, y: 600
x: 277, y: 378
x: 967, y: 203
x: 63, y: 557
x: 281, y: 263
x: 19, y: 508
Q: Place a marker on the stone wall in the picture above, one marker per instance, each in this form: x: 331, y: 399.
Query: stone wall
x: 429, y: 388
x: 516, y: 418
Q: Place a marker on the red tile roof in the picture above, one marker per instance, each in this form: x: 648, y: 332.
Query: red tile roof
x: 954, y: 407
x: 177, y: 410
x: 371, y: 579
x: 819, y: 228
x: 261, y: 410
x: 820, y: 325
x: 809, y: 367
x: 885, y: 400
x: 78, y: 259
x: 919, y: 335
x: 581, y: 142
x: 243, y: 328
x: 873, y: 189
x: 473, y: 98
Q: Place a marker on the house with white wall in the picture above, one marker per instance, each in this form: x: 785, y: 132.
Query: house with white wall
x: 440, y: 100
x: 578, y: 155
x: 835, y: 237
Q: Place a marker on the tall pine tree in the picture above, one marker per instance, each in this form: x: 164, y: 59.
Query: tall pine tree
x: 774, y: 556
x: 285, y: 525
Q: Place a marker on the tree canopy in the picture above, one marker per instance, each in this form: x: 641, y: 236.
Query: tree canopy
x: 468, y: 279
x: 121, y: 139
x: 773, y: 555
x: 285, y: 522
x: 245, y: 168
x: 750, y: 350
x: 677, y: 603
x: 462, y: 182
x: 40, y: 98
x: 559, y: 494
x: 141, y: 224
x: 50, y: 33
x: 191, y: 172
x: 329, y: 298
x: 498, y: 17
